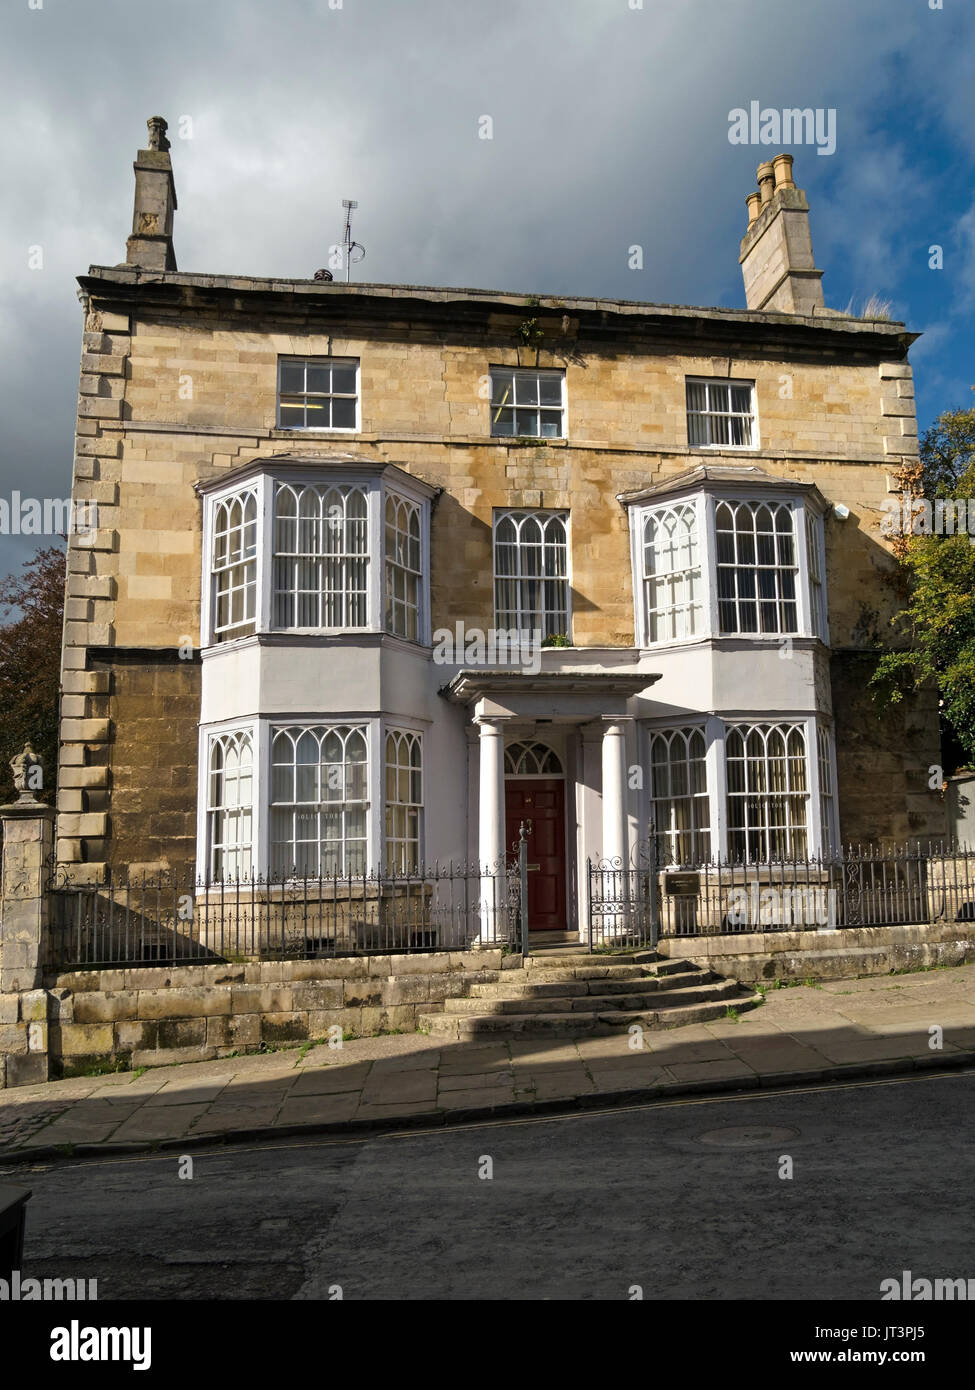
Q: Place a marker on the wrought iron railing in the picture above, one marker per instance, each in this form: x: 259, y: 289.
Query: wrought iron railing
x: 171, y: 918
x: 865, y: 886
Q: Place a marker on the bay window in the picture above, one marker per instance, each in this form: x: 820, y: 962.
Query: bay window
x: 743, y: 792
x: 708, y: 563
x: 312, y: 551
x: 283, y: 800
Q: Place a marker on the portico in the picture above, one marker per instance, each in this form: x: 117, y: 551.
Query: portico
x: 551, y: 750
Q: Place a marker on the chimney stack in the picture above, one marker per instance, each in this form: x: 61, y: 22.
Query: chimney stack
x: 776, y: 251
x: 151, y: 243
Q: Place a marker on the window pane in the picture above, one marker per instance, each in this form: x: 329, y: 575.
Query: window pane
x: 343, y: 414
x: 292, y: 377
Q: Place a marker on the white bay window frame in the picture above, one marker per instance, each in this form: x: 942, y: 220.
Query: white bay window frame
x: 376, y: 487
x: 820, y: 814
x: 705, y: 504
x: 261, y: 732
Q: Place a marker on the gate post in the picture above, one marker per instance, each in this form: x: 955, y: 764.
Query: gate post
x: 523, y: 886
x: 28, y: 838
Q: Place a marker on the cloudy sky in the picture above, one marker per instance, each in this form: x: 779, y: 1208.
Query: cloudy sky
x: 610, y: 128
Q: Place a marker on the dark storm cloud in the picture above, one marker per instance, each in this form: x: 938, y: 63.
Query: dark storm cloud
x: 610, y: 129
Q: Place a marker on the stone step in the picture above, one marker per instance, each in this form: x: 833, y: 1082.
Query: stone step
x: 549, y: 973
x: 527, y: 987
x: 595, y: 1003
x: 579, y: 1023
x: 549, y: 960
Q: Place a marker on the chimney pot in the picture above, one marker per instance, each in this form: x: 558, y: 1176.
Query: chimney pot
x: 766, y: 181
x: 782, y: 168
x: 754, y: 201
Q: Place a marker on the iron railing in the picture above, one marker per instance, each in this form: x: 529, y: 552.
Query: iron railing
x: 170, y: 918
x: 862, y: 887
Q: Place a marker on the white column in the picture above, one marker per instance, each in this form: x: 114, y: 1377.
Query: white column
x: 614, y: 792
x: 490, y: 826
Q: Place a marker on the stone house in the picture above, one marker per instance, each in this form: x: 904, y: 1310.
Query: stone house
x: 381, y: 571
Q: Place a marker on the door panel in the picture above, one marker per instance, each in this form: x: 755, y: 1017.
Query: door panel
x: 542, y: 802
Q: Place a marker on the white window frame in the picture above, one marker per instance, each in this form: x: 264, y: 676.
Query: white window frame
x: 765, y: 829
x: 696, y: 504
x: 261, y: 731
x: 715, y: 730
x: 391, y: 863
x: 223, y: 505
x: 677, y: 735
x: 289, y: 733
x: 392, y: 565
x: 800, y: 580
x: 543, y: 516
x: 324, y: 361
x: 539, y: 373
x: 728, y: 383
x: 706, y: 502
x: 263, y: 485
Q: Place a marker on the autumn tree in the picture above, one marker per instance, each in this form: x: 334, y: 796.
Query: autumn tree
x: 937, y: 566
x: 31, y: 611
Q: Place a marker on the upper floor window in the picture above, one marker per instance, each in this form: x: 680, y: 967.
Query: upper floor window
x: 318, y: 393
x: 334, y: 554
x: 403, y: 567
x: 672, y: 573
x: 710, y: 566
x: 234, y: 566
x: 321, y: 557
x: 531, y: 576
x: 756, y: 565
x: 721, y: 414
x: 528, y: 402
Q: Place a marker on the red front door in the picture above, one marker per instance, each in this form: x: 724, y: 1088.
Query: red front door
x: 542, y: 802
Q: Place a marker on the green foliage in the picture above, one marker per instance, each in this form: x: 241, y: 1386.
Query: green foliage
x: 937, y: 622
x: 31, y: 612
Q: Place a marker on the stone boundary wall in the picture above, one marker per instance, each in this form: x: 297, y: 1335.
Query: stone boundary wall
x: 754, y: 957
x: 156, y: 1015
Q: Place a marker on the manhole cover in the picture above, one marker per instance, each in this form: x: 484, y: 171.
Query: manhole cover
x: 747, y: 1136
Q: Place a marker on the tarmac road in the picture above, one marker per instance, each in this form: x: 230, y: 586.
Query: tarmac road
x: 683, y: 1199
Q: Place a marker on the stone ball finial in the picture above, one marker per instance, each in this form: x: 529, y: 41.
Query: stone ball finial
x: 22, y: 765
x: 157, y: 133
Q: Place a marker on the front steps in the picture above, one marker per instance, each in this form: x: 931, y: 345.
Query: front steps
x: 577, y: 994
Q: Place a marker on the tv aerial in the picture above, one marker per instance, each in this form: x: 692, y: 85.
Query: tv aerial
x: 354, y: 252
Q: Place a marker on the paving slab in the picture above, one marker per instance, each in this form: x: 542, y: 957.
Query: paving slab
x: 846, y: 1028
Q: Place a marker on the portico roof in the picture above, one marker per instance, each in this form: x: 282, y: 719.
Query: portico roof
x: 569, y: 694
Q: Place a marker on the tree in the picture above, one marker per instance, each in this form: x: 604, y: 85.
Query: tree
x: 938, y: 570
x: 32, y: 605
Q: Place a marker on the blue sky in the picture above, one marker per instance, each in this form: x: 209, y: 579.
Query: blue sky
x: 610, y: 129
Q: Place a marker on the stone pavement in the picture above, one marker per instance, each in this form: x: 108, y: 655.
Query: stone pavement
x: 839, y: 1030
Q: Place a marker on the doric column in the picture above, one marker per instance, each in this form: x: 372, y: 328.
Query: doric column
x: 614, y: 791
x: 490, y: 826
